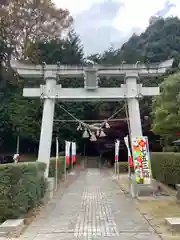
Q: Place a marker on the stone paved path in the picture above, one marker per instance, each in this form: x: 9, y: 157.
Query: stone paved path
x: 93, y: 207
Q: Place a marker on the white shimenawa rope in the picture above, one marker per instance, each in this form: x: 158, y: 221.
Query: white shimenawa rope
x: 85, y: 125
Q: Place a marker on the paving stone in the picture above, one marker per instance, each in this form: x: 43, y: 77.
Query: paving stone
x: 93, y: 207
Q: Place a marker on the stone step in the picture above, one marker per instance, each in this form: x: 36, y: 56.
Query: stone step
x: 3, y: 234
x: 12, y: 225
x: 174, y: 223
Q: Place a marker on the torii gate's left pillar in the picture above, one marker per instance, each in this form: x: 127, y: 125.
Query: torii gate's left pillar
x: 47, y: 122
x: 133, y: 104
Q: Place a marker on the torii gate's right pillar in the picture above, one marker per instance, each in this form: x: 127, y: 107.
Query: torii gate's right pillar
x: 132, y: 94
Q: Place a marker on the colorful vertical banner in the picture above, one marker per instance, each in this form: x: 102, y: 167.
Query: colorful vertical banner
x: 67, y: 152
x: 73, y: 152
x: 117, y: 144
x: 130, y: 161
x: 141, y: 158
x: 148, y: 175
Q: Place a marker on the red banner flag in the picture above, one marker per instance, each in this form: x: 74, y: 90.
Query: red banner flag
x: 130, y: 159
x: 117, y: 144
x: 67, y: 152
x: 73, y: 152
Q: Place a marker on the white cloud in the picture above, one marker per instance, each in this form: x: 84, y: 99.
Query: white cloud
x: 73, y: 6
x: 114, y: 20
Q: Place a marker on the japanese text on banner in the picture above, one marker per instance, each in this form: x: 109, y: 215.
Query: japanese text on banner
x: 141, y: 158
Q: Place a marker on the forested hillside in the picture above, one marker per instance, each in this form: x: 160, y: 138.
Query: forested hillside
x: 160, y: 41
x: 20, y: 116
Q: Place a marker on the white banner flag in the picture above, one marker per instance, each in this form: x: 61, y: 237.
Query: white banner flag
x: 130, y: 161
x: 73, y: 152
x: 117, y: 144
x: 67, y: 152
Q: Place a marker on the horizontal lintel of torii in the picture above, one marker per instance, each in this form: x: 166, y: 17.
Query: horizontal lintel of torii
x: 81, y: 94
x: 37, y: 71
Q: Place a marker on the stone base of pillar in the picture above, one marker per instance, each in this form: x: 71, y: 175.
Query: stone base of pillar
x: 143, y: 190
x: 50, y: 190
x: 178, y: 192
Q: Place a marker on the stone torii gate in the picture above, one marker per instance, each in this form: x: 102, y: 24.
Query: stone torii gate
x: 51, y: 91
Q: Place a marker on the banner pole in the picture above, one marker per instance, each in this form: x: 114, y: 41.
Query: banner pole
x: 115, y: 167
x: 72, y: 143
x: 17, y: 147
x: 129, y: 172
x: 118, y: 169
x: 117, y: 145
x: 65, y: 160
x: 57, y: 156
x: 65, y: 169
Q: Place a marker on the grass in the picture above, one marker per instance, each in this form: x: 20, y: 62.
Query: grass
x: 155, y: 212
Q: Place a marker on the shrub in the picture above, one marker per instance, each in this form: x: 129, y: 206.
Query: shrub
x: 166, y: 167
x: 52, y: 167
x: 61, y: 162
x: 22, y: 187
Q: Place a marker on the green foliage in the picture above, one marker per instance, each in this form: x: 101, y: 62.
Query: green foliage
x: 60, y: 167
x: 22, y: 187
x: 166, y: 167
x: 159, y: 42
x: 166, y: 109
x: 23, y: 116
x: 65, y: 51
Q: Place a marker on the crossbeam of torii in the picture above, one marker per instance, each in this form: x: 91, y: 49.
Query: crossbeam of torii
x: 51, y: 91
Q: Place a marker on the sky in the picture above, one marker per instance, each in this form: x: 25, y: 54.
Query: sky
x: 102, y: 24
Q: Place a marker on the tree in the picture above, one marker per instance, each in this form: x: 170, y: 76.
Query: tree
x: 159, y: 42
x: 65, y: 51
x: 166, y: 109
x: 24, y: 114
x: 25, y: 119
x: 72, y: 49
x: 6, y: 73
x: 26, y: 21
